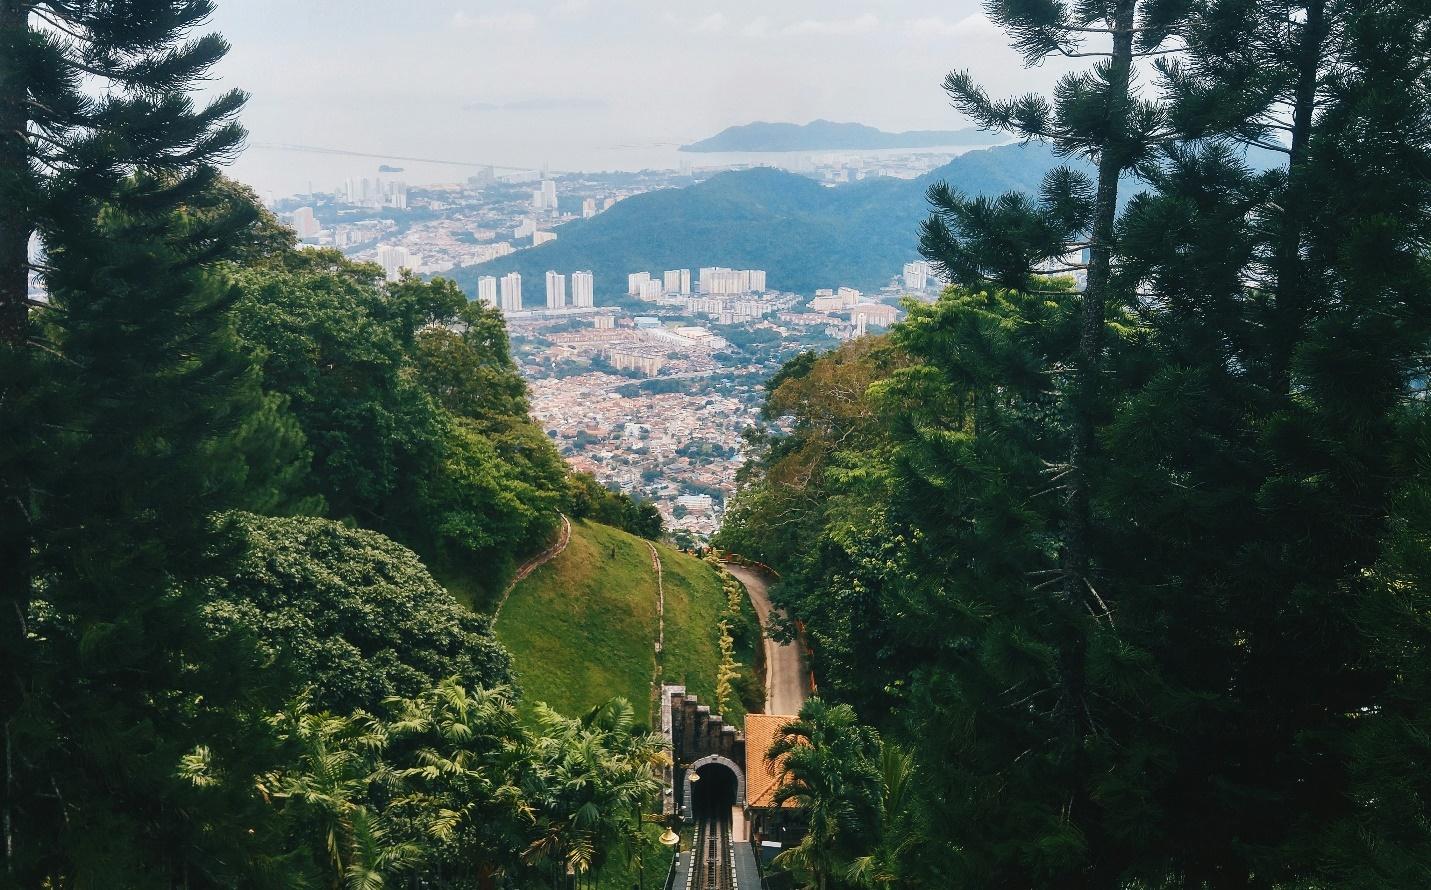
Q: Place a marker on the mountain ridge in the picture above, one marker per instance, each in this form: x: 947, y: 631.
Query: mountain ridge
x: 804, y: 234
x: 824, y: 135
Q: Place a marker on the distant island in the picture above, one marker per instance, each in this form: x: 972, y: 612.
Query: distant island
x: 825, y: 135
x: 388, y: 168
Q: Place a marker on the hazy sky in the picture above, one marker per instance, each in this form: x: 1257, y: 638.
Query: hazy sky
x: 551, y: 79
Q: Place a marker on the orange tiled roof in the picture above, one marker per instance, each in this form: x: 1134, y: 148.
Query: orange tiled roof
x: 762, y: 777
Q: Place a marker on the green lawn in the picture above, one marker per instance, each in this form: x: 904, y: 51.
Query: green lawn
x: 582, y: 628
x: 694, y: 603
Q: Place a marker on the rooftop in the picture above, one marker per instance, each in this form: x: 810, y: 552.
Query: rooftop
x: 762, y: 777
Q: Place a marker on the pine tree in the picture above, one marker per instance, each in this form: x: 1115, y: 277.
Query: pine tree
x: 1271, y: 451
x: 152, y: 410
x: 1096, y: 115
x: 90, y: 94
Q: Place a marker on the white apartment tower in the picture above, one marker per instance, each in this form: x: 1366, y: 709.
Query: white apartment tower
x: 487, y: 289
x: 588, y: 208
x: 721, y: 281
x: 556, y: 290
x: 916, y: 275
x: 677, y: 281
x: 583, y: 290
x: 636, y: 281
x: 512, y: 292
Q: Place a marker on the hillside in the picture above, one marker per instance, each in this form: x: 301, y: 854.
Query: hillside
x: 806, y: 235
x: 822, y: 135
x: 582, y: 628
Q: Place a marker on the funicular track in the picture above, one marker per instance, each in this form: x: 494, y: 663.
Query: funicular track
x: 713, y: 865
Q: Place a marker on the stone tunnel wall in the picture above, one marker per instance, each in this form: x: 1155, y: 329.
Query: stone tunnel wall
x: 695, y: 734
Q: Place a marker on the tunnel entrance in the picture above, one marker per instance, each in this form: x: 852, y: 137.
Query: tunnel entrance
x: 714, y: 795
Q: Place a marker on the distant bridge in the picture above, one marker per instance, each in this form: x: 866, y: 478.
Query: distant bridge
x: 318, y: 150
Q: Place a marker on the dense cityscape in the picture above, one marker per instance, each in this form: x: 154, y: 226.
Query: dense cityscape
x: 652, y: 391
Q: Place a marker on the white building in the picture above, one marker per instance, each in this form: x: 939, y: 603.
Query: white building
x: 556, y: 290
x: 487, y: 289
x: 603, y: 322
x: 549, y: 194
x: 651, y: 289
x: 583, y: 290
x: 635, y: 281
x: 916, y: 275
x: 866, y: 314
x: 375, y: 193
x: 722, y: 281
x: 677, y: 281
x: 304, y: 222
x: 542, y: 237
x: 826, y: 301
x: 395, y: 258
x: 512, y: 292
x: 588, y: 208
x: 848, y: 296
x: 525, y: 229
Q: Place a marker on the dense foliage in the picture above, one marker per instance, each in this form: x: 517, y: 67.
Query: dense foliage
x: 204, y: 683
x: 409, y: 399
x: 589, y: 499
x: 349, y: 615
x: 1141, y: 600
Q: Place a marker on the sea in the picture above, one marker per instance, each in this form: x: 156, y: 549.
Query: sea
x: 277, y: 170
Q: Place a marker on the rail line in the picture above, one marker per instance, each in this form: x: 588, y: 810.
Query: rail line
x: 713, y: 857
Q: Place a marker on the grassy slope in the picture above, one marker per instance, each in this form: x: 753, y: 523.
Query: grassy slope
x: 582, y: 628
x: 694, y: 603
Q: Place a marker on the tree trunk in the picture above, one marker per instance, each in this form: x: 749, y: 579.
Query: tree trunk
x: 1077, y: 534
x: 1290, y: 287
x: 1077, y: 543
x: 16, y: 224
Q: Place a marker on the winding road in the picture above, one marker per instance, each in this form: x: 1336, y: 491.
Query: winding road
x: 787, y: 682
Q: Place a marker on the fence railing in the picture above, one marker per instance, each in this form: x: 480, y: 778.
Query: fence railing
x: 671, y: 872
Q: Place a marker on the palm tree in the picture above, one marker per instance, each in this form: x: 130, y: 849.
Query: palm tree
x: 894, y: 835
x: 590, y: 779
x: 827, y: 768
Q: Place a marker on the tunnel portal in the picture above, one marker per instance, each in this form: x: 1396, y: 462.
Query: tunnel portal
x: 715, y: 794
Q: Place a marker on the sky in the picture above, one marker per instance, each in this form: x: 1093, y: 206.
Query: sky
x: 580, y: 84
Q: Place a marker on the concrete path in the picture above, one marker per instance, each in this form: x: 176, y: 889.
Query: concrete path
x: 787, y: 680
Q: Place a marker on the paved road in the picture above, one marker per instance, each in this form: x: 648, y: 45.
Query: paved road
x: 786, y: 678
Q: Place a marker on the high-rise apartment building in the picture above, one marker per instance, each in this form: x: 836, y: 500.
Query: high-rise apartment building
x: 722, y: 281
x: 635, y: 281
x: 556, y: 290
x: 677, y: 281
x: 583, y: 290
x: 549, y: 194
x: 916, y: 275
x: 487, y: 289
x: 304, y: 222
x: 512, y: 292
x: 395, y: 258
x: 588, y: 208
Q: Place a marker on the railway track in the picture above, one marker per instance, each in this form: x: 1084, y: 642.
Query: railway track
x: 713, y: 865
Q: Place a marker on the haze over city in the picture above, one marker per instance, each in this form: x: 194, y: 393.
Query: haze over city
x: 583, y: 84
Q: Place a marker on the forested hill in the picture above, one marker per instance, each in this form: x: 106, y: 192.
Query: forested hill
x: 806, y: 235
x: 825, y: 135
